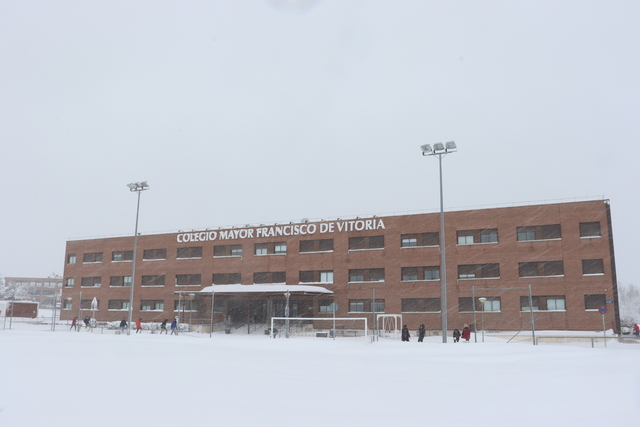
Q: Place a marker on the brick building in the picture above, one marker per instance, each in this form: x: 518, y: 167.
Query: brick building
x: 563, y: 250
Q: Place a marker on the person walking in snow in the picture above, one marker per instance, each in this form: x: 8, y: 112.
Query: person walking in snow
x: 466, y: 333
x: 86, y: 321
x: 139, y: 325
x: 74, y: 323
x: 456, y: 335
x: 92, y: 324
x: 163, y: 326
x: 174, y: 327
x: 123, y: 325
x: 405, y: 333
x: 636, y: 330
x: 421, y: 332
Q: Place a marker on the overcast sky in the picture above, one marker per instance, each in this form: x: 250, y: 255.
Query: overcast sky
x: 240, y: 112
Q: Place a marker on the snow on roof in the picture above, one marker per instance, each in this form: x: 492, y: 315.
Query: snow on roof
x: 265, y: 288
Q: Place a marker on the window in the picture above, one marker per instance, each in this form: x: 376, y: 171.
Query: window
x: 543, y: 303
x: 69, y: 282
x: 589, y: 229
x: 419, y: 240
x: 594, y: 302
x: 66, y: 304
x: 120, y: 281
x: 366, y: 275
x: 479, y: 271
x: 151, y: 305
x: 316, y: 276
x: 321, y: 245
x: 184, y: 305
x: 465, y: 304
x: 421, y: 305
x: 368, y: 242
x: 92, y: 257
x: 277, y: 248
x: 88, y: 282
x: 153, y: 280
x: 122, y: 256
x: 592, y: 267
x: 420, y: 273
x: 365, y: 306
x: 85, y: 304
x: 324, y: 306
x: 539, y: 232
x: 227, y: 278
x: 538, y: 269
x: 151, y: 254
x: 188, y: 279
x: 71, y: 259
x: 470, y: 237
x: 270, y: 277
x: 190, y: 252
x: 118, y: 304
x: 227, y: 250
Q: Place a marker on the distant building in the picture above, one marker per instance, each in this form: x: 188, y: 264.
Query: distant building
x: 39, y: 289
x: 563, y: 250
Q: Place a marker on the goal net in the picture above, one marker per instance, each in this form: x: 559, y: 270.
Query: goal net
x: 327, y: 327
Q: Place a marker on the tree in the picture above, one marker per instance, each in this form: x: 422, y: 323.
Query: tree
x: 629, y: 302
x: 11, y: 289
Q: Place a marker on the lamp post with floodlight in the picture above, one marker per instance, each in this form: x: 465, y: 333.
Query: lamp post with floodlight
x: 439, y: 149
x: 137, y: 187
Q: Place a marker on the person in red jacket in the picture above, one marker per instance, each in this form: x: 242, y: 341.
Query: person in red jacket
x: 636, y: 330
x: 466, y: 333
x: 139, y: 326
x: 74, y: 323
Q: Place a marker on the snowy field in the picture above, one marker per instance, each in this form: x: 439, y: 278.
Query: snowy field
x: 66, y: 378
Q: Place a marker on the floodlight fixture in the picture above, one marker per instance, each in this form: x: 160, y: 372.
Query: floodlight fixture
x: 451, y: 146
x: 438, y: 146
x: 426, y: 149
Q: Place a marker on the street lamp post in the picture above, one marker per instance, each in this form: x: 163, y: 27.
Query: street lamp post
x: 482, y: 300
x: 286, y: 314
x: 439, y: 149
x: 137, y: 187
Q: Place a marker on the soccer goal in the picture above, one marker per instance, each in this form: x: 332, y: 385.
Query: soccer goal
x: 389, y: 325
x: 327, y: 327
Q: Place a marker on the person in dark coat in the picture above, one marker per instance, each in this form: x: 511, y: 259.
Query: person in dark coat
x: 456, y: 335
x: 163, y: 326
x: 174, y: 327
x: 466, y: 333
x: 421, y: 332
x: 123, y: 325
x: 405, y: 333
x: 86, y: 321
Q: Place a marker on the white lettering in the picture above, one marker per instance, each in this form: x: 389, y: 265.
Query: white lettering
x: 359, y: 225
x: 324, y: 228
x: 341, y: 226
x: 212, y: 235
x: 311, y: 229
x: 278, y: 231
x: 331, y: 227
x: 251, y: 233
x: 381, y: 225
x: 369, y: 224
x: 243, y: 234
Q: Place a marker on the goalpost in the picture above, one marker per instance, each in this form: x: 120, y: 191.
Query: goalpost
x: 313, y: 326
x: 389, y: 321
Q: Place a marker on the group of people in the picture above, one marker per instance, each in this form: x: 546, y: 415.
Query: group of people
x: 465, y: 335
x: 89, y: 323
x: 163, y: 326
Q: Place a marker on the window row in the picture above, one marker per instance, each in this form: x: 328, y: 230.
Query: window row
x: 407, y: 274
x: 408, y: 305
x: 464, y: 237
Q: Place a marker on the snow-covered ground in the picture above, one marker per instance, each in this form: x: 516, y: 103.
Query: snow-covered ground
x: 66, y: 378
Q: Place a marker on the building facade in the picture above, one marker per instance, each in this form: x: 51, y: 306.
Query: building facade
x: 388, y: 264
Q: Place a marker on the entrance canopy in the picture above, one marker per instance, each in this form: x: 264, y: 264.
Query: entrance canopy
x: 265, y: 289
